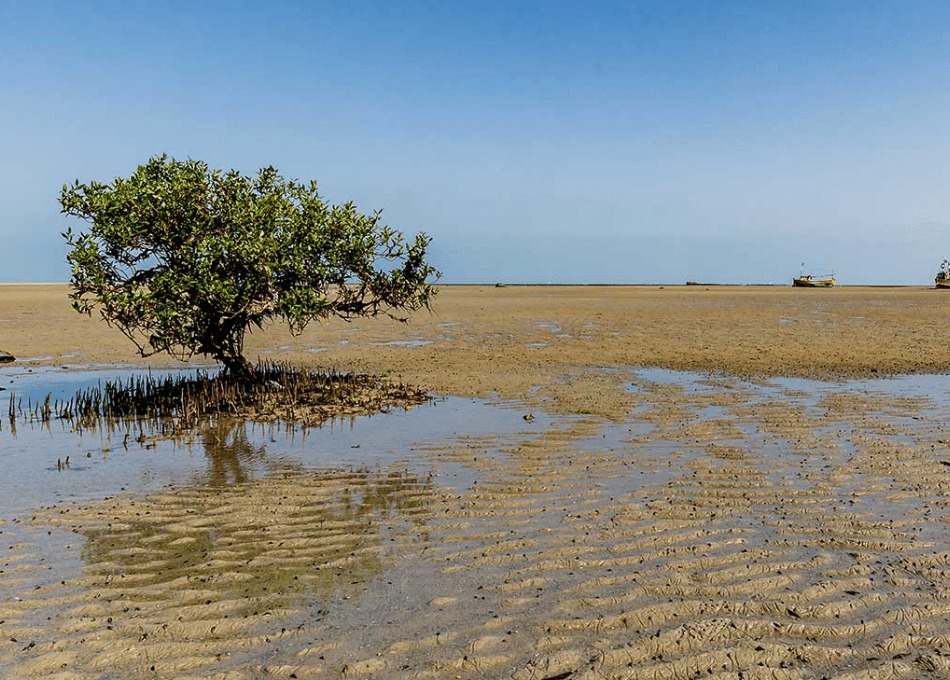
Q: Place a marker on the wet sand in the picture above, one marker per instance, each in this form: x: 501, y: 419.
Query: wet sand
x: 642, y: 524
x: 550, y: 343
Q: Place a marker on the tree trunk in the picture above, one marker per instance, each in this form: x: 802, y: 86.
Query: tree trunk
x: 225, y: 343
x: 237, y: 366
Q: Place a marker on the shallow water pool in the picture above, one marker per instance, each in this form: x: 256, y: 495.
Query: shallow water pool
x: 44, y: 463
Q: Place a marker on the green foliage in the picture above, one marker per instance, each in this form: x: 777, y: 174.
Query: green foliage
x: 184, y: 259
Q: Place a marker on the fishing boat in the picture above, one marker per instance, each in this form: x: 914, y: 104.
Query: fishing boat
x: 809, y: 281
x: 942, y: 279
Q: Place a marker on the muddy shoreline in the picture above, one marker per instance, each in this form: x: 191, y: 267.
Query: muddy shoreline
x: 553, y: 343
x: 644, y: 523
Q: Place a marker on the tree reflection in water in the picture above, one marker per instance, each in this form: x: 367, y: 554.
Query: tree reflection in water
x: 293, y: 540
x: 229, y: 451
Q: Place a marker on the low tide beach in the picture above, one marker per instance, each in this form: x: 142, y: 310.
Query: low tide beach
x: 611, y: 482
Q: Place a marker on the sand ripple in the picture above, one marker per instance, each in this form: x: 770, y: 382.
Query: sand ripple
x: 717, y: 533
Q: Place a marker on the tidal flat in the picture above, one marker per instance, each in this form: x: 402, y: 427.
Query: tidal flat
x: 596, y: 507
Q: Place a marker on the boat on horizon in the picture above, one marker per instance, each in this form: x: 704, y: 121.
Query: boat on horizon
x: 809, y: 281
x: 942, y: 279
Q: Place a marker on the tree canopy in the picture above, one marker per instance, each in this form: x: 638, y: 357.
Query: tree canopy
x: 185, y: 259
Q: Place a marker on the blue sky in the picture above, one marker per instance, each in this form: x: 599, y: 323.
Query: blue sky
x: 635, y: 142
